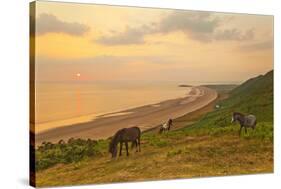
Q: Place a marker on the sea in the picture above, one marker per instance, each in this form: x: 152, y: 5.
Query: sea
x: 59, y: 104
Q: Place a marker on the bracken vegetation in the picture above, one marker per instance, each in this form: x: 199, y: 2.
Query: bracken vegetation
x: 74, y: 150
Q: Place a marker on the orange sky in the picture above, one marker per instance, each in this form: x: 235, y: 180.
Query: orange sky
x: 124, y: 43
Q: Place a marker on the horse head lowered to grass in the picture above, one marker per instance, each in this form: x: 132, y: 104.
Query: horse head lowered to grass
x: 166, y: 126
x: 125, y: 135
x: 246, y: 121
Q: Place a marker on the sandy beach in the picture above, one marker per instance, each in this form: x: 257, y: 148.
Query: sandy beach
x: 145, y: 117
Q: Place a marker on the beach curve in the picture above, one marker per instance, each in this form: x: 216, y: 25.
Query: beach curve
x: 145, y: 117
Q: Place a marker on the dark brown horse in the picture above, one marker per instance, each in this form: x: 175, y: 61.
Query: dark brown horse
x: 125, y: 135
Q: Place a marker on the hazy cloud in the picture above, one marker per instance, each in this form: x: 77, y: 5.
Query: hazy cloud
x: 258, y: 46
x: 200, y: 26
x: 234, y: 34
x: 203, y: 26
x: 48, y: 23
x: 130, y: 36
x: 109, y: 60
x: 200, y: 22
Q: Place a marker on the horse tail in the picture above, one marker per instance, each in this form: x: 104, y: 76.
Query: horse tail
x: 138, y: 142
x: 139, y: 136
x: 139, y: 131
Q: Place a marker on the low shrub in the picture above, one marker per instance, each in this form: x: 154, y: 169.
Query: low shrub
x: 74, y: 150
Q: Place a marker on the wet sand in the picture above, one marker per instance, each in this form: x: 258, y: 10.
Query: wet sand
x: 145, y: 117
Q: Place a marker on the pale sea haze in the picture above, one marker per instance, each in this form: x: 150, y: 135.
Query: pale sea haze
x: 65, y: 103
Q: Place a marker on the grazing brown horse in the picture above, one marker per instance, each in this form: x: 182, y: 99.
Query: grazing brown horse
x: 125, y: 135
x: 245, y: 121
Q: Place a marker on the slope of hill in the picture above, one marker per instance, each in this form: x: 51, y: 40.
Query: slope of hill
x: 209, y: 147
x: 255, y: 96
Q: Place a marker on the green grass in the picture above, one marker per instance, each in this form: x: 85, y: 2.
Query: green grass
x: 209, y: 147
x: 188, y: 156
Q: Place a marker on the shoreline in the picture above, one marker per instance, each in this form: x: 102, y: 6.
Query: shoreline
x: 146, y: 117
x: 44, y: 126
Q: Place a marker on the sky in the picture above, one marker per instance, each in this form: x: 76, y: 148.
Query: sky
x: 112, y: 43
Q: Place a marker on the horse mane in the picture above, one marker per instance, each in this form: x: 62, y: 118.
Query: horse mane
x: 238, y: 113
x: 114, y: 139
x: 170, y: 121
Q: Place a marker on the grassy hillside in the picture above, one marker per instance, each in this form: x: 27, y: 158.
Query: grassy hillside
x: 255, y: 96
x: 209, y: 147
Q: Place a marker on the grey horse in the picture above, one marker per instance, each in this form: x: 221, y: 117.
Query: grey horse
x: 246, y: 121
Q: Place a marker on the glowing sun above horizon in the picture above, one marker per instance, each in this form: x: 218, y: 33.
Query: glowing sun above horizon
x: 78, y: 74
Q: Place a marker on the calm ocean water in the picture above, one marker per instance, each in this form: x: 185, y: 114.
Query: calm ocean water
x: 59, y: 104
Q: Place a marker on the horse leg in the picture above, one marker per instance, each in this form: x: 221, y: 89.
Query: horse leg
x: 120, y: 152
x: 135, y: 142
x: 126, y: 143
x: 139, y: 144
x: 246, y: 130
x: 240, y: 130
x: 254, y: 126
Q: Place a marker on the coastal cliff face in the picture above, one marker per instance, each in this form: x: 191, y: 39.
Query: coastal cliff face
x: 208, y: 147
